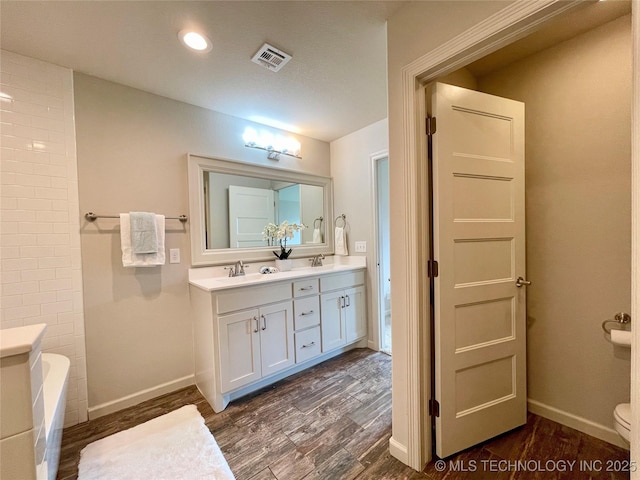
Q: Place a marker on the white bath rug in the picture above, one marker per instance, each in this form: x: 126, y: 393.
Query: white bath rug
x: 174, y: 446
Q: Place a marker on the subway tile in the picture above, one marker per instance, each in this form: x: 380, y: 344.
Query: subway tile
x: 49, y: 343
x: 64, y: 272
x: 49, y: 147
x: 38, y: 274
x: 8, y: 228
x: 9, y: 277
x: 20, y: 288
x: 8, y: 203
x: 6, y: 154
x: 55, y: 217
x: 49, y: 124
x: 24, y: 311
x: 33, y: 180
x: 61, y: 329
x: 57, y: 307
x: 17, y: 143
x: 19, y: 216
x: 61, y: 228
x: 58, y: 159
x: 66, y: 340
x: 35, y: 227
x: 33, y: 133
x: 62, y: 251
x: 16, y: 118
x: 29, y: 108
x: 11, y: 323
x: 8, y: 178
x: 54, y: 262
x: 63, y: 295
x: 10, y: 252
x: 36, y: 251
x: 58, y: 182
x: 39, y: 298
x: 54, y: 285
x: 9, y: 301
x: 18, y: 264
x: 34, y: 204
x: 52, y: 239
x: 19, y: 239
x: 67, y: 317
x: 30, y: 156
x: 51, y: 193
x: 18, y: 191
x: 59, y: 205
x: 15, y: 166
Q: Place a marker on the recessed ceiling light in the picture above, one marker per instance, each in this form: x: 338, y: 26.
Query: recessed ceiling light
x: 195, y: 41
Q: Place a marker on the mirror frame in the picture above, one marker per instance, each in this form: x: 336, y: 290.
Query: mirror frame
x: 201, y: 256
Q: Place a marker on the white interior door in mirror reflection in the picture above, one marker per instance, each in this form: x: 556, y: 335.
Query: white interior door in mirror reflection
x: 250, y: 209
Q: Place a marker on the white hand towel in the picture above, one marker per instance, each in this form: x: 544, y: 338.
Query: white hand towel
x: 341, y: 241
x: 144, y: 237
x: 130, y: 259
x: 317, y: 236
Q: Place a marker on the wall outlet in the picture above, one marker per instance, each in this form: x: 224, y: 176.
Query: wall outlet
x: 361, y: 247
x: 174, y: 255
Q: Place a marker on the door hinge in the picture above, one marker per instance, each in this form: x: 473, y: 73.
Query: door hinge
x: 431, y: 125
x: 434, y: 408
x: 432, y: 268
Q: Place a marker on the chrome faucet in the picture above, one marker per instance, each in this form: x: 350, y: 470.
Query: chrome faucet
x: 237, y: 270
x: 317, y: 260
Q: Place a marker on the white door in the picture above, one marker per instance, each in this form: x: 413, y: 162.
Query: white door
x: 479, y: 244
x: 276, y: 338
x: 250, y: 209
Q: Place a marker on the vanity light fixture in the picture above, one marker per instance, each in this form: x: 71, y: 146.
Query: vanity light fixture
x: 274, y: 145
x: 195, y: 41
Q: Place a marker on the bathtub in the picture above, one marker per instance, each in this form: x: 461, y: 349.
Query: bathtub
x: 55, y: 371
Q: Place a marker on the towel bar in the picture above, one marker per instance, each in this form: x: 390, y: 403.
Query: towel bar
x: 90, y: 216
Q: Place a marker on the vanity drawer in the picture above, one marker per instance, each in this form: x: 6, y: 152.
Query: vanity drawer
x: 248, y: 297
x: 343, y: 280
x: 302, y: 288
x: 307, y: 344
x: 306, y: 312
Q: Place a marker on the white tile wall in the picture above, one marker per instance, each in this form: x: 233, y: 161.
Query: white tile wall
x: 40, y: 274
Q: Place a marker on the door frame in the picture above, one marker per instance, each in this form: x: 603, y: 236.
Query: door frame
x: 374, y: 158
x: 509, y: 24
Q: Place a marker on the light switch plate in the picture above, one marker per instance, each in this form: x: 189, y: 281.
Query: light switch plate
x: 174, y: 255
x: 361, y: 247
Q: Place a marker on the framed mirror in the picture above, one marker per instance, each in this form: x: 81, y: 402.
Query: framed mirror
x: 230, y: 204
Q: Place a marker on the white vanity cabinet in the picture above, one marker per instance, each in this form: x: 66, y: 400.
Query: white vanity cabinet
x: 247, y: 336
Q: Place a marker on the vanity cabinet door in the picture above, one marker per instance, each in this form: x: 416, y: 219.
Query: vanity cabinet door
x: 239, y: 341
x: 356, y: 318
x: 276, y: 337
x: 332, y: 320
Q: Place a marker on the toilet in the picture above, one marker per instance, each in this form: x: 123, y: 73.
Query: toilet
x: 622, y: 420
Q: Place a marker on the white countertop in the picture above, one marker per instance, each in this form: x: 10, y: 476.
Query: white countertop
x: 15, y: 341
x: 215, y: 278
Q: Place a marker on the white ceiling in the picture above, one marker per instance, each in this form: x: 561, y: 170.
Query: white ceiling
x: 335, y: 84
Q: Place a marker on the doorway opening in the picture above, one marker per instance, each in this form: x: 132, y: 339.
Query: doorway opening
x: 383, y: 260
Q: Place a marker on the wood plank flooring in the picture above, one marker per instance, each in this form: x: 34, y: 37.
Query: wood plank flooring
x: 333, y: 422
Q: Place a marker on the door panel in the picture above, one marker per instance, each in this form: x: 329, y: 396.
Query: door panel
x: 239, y: 350
x: 276, y: 338
x: 478, y: 222
x: 250, y: 210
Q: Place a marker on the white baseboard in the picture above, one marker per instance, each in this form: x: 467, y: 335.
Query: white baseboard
x: 578, y: 423
x: 399, y: 451
x: 139, y: 397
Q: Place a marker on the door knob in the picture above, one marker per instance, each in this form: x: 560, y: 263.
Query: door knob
x: 521, y: 281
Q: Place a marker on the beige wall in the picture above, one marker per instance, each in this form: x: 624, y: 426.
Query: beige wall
x: 415, y: 30
x: 132, y: 149
x: 578, y: 207
x: 352, y: 172
x: 40, y: 239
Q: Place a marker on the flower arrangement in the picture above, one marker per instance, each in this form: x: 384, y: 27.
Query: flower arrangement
x: 281, y: 233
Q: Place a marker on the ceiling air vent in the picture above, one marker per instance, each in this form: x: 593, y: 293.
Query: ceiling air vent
x: 271, y: 58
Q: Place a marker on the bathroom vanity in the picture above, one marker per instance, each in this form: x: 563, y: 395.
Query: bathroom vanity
x: 251, y: 331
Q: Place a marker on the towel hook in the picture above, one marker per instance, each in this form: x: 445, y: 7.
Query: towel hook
x: 342, y: 217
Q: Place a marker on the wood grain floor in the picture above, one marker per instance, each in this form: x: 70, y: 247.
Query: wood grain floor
x: 333, y: 422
